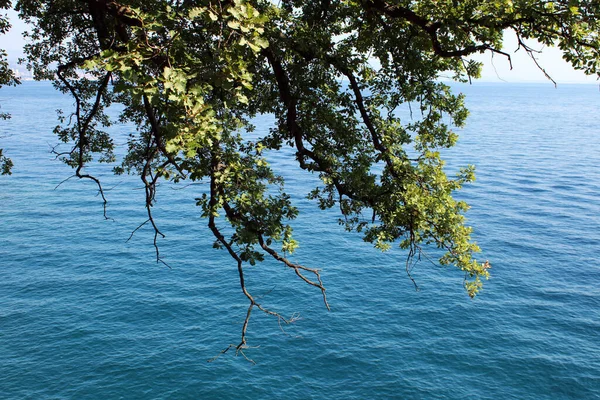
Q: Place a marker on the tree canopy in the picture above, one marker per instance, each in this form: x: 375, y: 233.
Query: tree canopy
x: 192, y: 74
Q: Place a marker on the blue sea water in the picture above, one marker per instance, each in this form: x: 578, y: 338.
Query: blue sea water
x: 84, y: 314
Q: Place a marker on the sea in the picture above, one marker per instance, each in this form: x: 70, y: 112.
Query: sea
x: 86, y: 313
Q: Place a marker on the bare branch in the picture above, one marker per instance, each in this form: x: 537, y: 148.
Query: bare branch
x: 530, y: 52
x: 297, y: 268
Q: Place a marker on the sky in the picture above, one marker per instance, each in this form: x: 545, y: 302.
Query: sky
x: 496, y: 68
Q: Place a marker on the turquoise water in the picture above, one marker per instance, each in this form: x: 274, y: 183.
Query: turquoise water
x: 85, y: 314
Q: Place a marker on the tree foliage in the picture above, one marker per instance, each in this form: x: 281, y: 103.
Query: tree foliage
x: 6, y: 78
x: 193, y: 74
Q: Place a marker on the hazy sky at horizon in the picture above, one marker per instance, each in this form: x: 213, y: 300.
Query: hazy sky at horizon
x: 496, y: 67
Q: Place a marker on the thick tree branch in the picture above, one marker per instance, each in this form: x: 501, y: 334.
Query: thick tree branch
x: 320, y: 165
x: 432, y: 28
